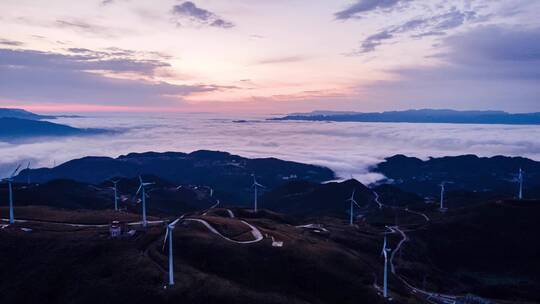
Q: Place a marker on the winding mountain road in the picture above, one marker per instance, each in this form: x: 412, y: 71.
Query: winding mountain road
x: 430, y: 297
x: 81, y: 225
x: 257, y: 235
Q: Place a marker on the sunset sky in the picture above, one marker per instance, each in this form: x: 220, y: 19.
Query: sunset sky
x: 269, y: 56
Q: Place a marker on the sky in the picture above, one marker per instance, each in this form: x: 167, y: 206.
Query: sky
x: 269, y: 56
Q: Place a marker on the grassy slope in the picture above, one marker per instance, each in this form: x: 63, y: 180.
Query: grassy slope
x: 84, y: 266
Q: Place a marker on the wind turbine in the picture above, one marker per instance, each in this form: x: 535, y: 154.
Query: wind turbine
x: 520, y: 180
x: 255, y: 186
x: 28, y: 173
x: 351, y: 213
x: 385, y: 279
x: 442, y: 208
x: 9, y: 180
x: 143, y: 198
x: 115, y: 182
x: 169, y: 234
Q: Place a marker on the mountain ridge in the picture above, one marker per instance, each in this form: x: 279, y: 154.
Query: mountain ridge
x: 13, y: 129
x: 229, y: 174
x: 421, y: 116
x: 464, y: 173
x: 23, y: 114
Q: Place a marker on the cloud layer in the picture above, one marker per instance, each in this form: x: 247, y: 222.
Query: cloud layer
x: 188, y: 10
x: 486, y: 66
x: 364, y: 6
x: 347, y: 148
x: 35, y: 76
x: 437, y: 25
x: 10, y: 42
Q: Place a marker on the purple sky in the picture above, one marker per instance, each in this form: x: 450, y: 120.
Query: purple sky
x: 269, y: 56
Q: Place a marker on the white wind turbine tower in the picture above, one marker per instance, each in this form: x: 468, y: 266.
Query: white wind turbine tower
x: 441, y: 207
x: 169, y: 234
x: 255, y: 195
x: 351, y: 212
x: 9, y: 180
x: 28, y: 173
x: 115, y: 182
x: 143, y: 199
x: 520, y: 180
x: 385, y: 278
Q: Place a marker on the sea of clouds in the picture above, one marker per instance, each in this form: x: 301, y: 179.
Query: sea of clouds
x: 348, y: 148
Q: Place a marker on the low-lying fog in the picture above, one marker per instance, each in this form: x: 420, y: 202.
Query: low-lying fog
x: 348, y: 148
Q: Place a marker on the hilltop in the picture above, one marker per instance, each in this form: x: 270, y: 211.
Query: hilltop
x: 489, y: 175
x: 302, y: 198
x: 164, y: 198
x: 209, y: 267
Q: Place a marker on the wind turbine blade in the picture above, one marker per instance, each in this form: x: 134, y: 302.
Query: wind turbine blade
x: 28, y: 166
x: 352, y: 196
x: 15, y: 172
x: 356, y: 203
x: 139, y: 190
x: 148, y: 184
x: 255, y: 183
x: 174, y: 223
x: 140, y: 179
x: 165, y: 239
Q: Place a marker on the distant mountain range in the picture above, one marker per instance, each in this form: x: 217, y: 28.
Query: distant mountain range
x: 470, y: 180
x: 296, y: 189
x: 462, y: 173
x: 17, y: 124
x: 22, y: 114
x: 16, y: 128
x: 421, y: 116
x: 229, y: 175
